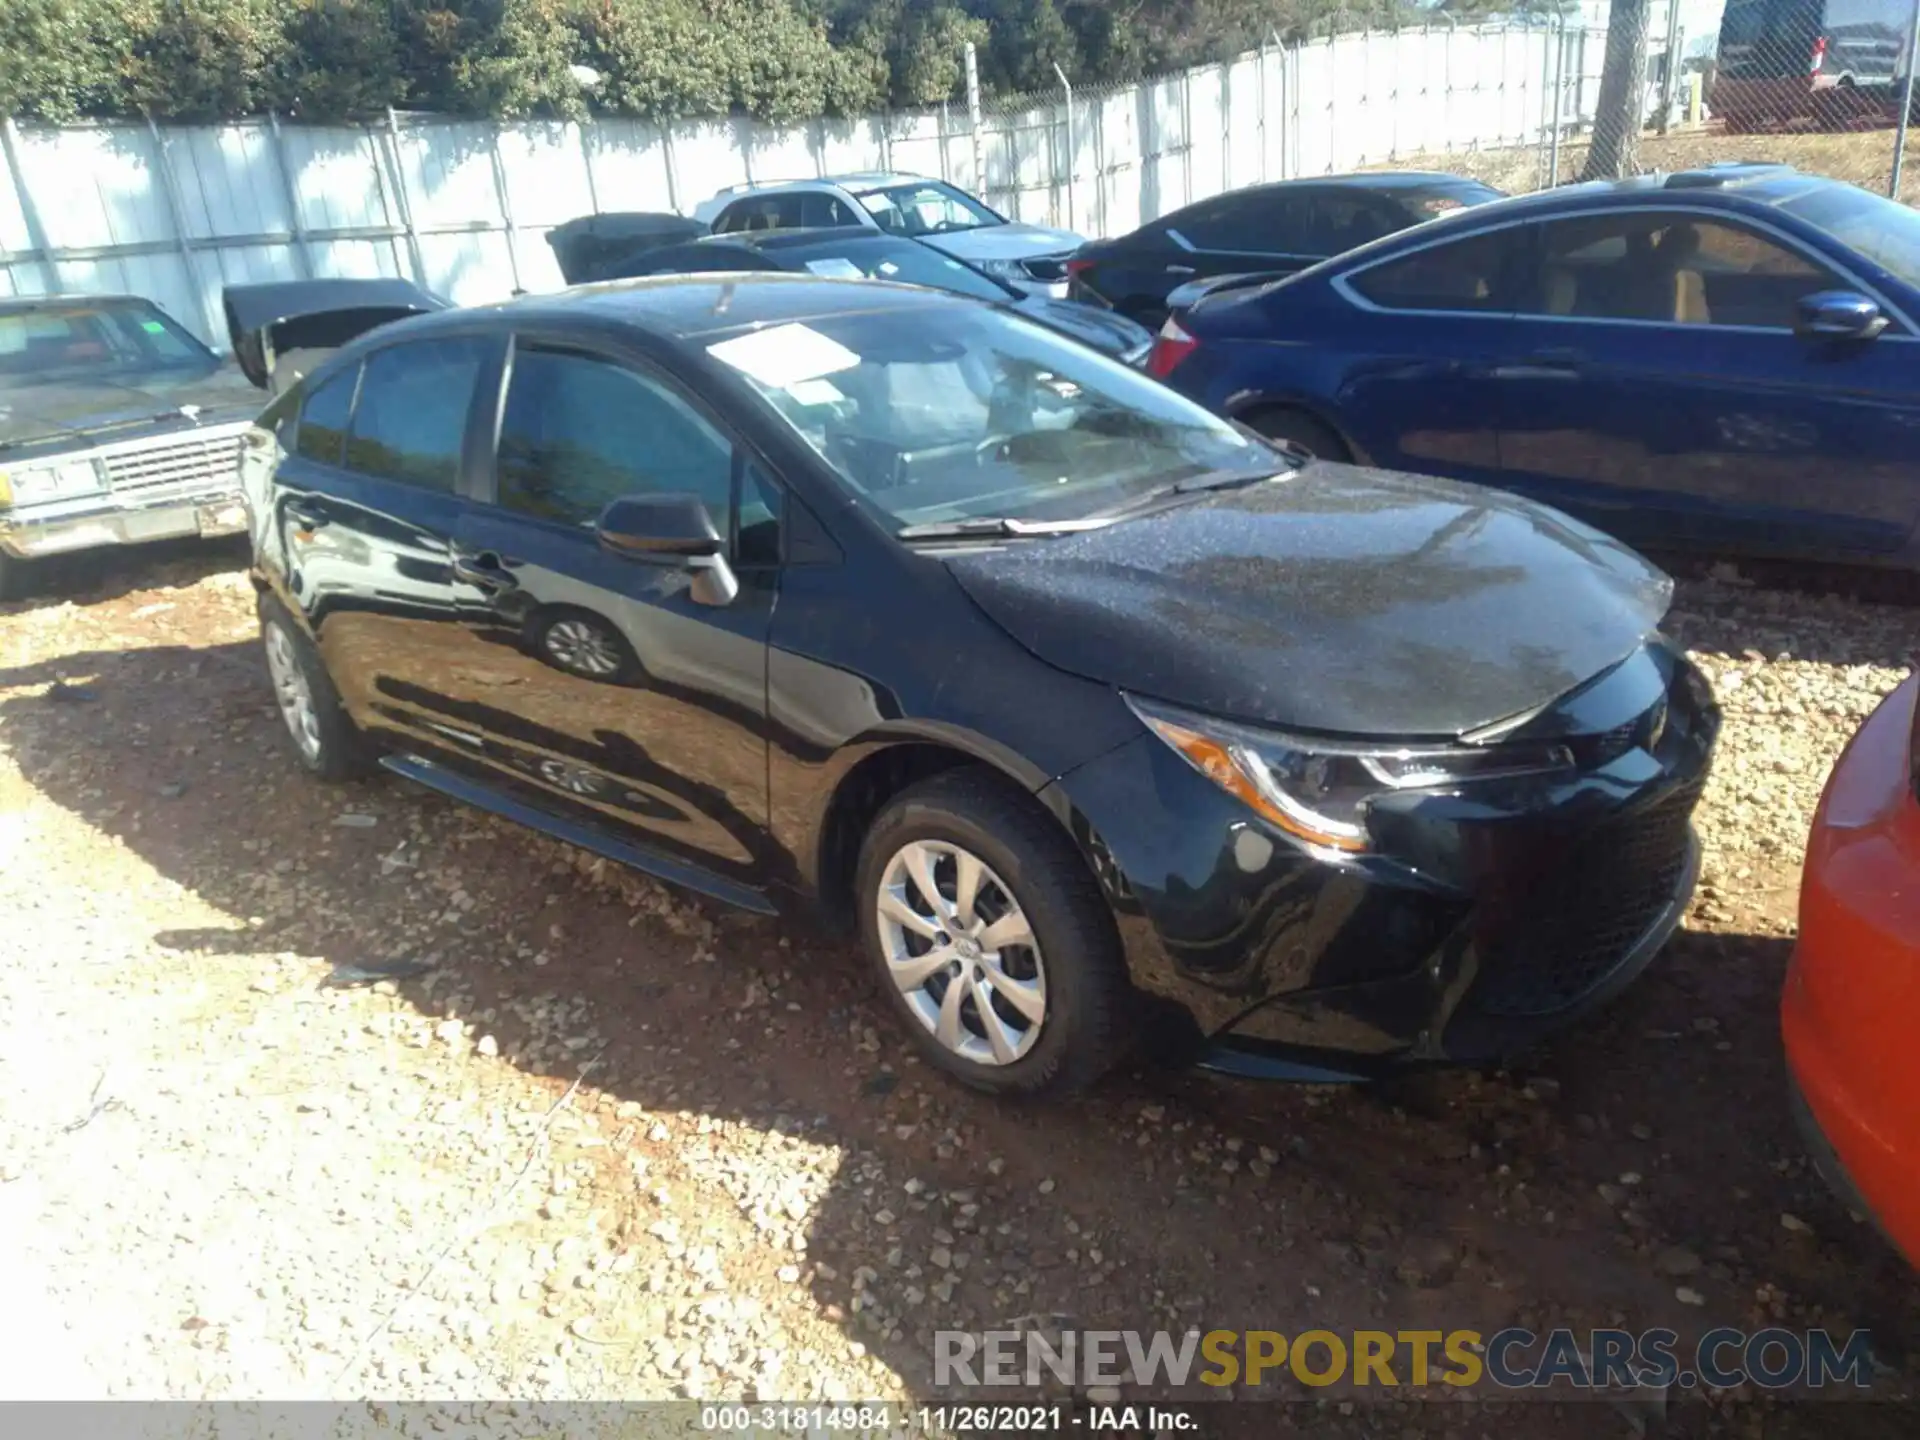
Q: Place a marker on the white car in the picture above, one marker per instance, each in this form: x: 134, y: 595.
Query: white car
x: 1032, y: 258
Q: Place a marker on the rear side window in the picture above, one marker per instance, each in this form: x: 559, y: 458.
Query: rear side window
x: 412, y: 416
x: 826, y: 210
x: 323, y: 419
x: 761, y: 212
x: 1469, y: 275
x: 1251, y: 221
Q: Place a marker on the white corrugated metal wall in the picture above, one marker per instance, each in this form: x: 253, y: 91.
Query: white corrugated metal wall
x: 174, y: 213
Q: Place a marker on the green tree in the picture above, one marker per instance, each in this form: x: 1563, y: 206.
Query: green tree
x: 202, y: 59
x: 341, y: 62
x: 60, y: 59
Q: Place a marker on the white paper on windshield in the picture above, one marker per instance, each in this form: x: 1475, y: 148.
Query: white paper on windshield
x: 816, y: 392
x: 835, y: 267
x: 784, y: 355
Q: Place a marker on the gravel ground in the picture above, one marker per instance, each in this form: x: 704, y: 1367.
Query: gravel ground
x: 611, y: 1143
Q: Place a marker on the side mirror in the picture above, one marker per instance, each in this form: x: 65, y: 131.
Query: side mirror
x: 1839, y: 315
x: 672, y: 529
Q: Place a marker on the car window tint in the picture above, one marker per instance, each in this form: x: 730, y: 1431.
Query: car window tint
x: 1336, y: 223
x: 580, y: 431
x: 1678, y: 269
x: 323, y: 419
x: 761, y: 212
x: 412, y: 413
x: 826, y: 210
x: 1251, y: 221
x: 1467, y: 275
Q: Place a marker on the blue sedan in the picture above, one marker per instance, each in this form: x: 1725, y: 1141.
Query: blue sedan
x: 1723, y: 360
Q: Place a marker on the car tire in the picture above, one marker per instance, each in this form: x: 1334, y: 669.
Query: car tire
x: 1069, y: 1020
x: 584, y: 645
x: 325, y: 741
x: 1298, y: 428
x: 16, y: 577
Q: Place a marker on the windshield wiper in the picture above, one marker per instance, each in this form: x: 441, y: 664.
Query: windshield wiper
x: 996, y: 526
x: 1195, y: 485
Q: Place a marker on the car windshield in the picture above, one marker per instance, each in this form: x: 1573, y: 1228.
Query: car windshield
x: 925, y: 207
x: 1885, y: 232
x: 948, y: 414
x: 92, y: 339
x: 905, y: 262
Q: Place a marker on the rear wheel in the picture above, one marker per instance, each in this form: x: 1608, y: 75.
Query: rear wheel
x: 16, y: 577
x: 325, y: 741
x: 991, y: 939
x: 1296, y: 427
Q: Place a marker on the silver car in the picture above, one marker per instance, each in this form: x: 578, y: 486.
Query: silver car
x: 1033, y: 258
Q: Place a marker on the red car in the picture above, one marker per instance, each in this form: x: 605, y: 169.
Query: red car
x: 1851, y: 1011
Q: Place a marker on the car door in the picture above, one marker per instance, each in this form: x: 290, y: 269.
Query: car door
x: 365, y: 506
x: 613, y: 694
x: 1655, y: 385
x: 1262, y: 230
x: 1415, y: 386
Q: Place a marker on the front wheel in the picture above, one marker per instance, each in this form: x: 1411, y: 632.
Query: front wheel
x: 991, y: 939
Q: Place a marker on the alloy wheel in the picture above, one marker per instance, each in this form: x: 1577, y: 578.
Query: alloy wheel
x: 582, y: 647
x: 962, y: 952
x: 292, y: 691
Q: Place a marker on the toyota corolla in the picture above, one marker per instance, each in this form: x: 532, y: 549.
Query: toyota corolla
x: 1096, y: 716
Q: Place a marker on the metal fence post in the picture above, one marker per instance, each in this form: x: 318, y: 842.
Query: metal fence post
x: 303, y: 252
x: 1559, y: 100
x: 29, y: 210
x: 400, y: 198
x: 1670, y: 76
x: 667, y: 160
x: 1067, y: 85
x: 586, y: 159
x: 1906, y: 105
x: 506, y: 211
x: 973, y: 123
x: 1186, y: 136
x: 177, y: 213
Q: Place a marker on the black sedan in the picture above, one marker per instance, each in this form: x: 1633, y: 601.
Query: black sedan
x: 1264, y: 229
x: 849, y: 255
x: 1092, y: 713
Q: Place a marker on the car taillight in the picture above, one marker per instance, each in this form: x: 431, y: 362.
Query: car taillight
x: 1170, y: 347
x: 1077, y: 266
x: 1819, y: 55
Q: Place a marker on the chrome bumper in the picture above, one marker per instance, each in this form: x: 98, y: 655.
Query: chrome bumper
x: 102, y: 520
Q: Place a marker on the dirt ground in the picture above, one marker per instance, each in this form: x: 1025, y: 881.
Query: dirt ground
x: 609, y: 1142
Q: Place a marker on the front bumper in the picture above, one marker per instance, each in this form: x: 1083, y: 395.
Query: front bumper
x: 1480, y: 924
x: 100, y: 521
x: 1851, y: 1005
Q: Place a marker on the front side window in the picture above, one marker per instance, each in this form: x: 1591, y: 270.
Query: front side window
x: 411, y: 419
x: 1469, y: 275
x: 1249, y: 221
x: 1670, y: 267
x: 78, y: 341
x: 929, y: 207
x: 323, y: 419
x: 963, y: 411
x: 580, y: 431
x: 1886, y: 233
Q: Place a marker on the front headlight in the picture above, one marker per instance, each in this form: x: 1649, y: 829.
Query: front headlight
x: 54, y: 480
x: 1004, y: 269
x: 1320, y: 790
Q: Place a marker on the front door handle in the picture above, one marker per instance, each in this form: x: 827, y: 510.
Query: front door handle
x: 1556, y: 363
x: 485, y: 571
x: 1180, y: 270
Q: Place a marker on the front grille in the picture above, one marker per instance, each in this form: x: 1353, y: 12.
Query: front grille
x: 203, y: 462
x: 1580, y: 920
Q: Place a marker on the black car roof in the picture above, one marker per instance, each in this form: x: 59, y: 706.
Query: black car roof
x: 690, y: 306
x: 21, y: 304
x: 807, y: 238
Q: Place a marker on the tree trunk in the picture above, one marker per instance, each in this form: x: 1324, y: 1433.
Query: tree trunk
x: 1622, y: 101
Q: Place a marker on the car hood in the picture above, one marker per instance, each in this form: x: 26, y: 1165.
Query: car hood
x: 1338, y: 600
x: 1004, y: 242
x: 99, y: 410
x: 1104, y: 330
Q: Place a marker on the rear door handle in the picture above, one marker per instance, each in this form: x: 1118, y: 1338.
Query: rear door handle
x: 485, y: 570
x: 1180, y: 270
